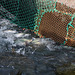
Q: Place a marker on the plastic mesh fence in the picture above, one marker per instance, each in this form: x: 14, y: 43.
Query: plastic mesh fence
x: 45, y: 17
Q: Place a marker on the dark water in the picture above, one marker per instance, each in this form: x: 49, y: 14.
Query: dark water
x: 42, y: 62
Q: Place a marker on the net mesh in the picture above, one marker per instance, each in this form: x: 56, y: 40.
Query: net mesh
x: 45, y: 17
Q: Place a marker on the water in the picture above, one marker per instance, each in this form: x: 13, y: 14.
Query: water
x: 24, y: 53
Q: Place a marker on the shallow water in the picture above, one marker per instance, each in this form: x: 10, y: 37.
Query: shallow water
x: 23, y: 53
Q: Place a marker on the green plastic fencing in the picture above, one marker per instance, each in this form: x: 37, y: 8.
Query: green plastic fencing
x: 25, y: 13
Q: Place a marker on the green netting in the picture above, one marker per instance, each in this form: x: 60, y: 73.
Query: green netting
x: 25, y: 13
x: 21, y: 12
